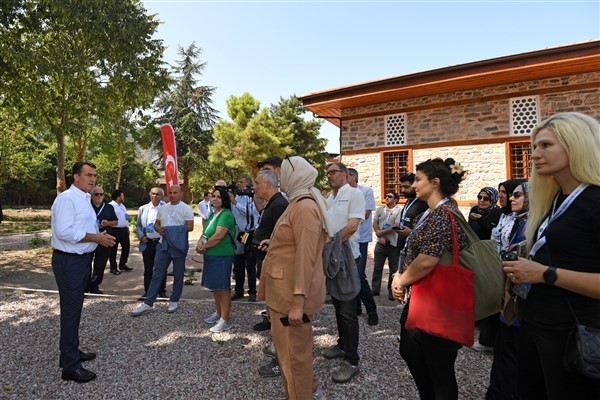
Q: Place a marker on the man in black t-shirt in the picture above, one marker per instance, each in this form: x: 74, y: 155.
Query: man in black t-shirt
x: 106, y: 218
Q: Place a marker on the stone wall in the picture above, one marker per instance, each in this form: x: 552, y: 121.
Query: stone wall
x: 485, y: 166
x: 488, y: 119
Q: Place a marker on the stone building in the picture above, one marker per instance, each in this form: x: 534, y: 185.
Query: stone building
x: 479, y: 113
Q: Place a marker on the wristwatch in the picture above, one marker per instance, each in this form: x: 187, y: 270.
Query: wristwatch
x: 550, y: 276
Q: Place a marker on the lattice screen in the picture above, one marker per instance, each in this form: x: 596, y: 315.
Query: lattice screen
x: 395, y: 130
x: 524, y: 115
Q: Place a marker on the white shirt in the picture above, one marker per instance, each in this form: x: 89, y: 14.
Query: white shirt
x: 386, y: 216
x: 204, y: 209
x: 72, y: 218
x: 365, y: 230
x: 152, y: 215
x: 171, y: 215
x: 121, y: 212
x: 349, y: 203
x: 239, y: 211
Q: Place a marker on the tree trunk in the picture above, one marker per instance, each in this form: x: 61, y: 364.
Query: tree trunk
x: 120, y: 167
x: 187, y: 193
x: 80, y: 145
x: 61, y: 184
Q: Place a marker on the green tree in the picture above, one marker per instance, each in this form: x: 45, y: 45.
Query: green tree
x: 254, y: 134
x: 64, y: 62
x: 187, y: 106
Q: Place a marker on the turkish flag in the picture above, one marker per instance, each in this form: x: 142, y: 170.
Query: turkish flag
x: 169, y: 155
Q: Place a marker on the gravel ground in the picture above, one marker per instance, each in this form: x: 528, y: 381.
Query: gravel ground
x: 174, y: 356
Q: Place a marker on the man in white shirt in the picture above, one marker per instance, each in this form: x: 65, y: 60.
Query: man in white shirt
x: 345, y: 215
x: 174, y: 221
x: 386, y: 218
x: 149, y: 237
x: 365, y: 235
x: 121, y: 233
x: 204, y: 208
x: 75, y: 235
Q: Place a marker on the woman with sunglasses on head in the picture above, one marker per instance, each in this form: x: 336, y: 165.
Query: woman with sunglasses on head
x: 217, y: 245
x: 430, y: 358
x: 563, y: 234
x: 484, y: 216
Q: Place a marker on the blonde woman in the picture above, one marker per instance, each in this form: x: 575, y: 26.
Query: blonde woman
x: 563, y: 233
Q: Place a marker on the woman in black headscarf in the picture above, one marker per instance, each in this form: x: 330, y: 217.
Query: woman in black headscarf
x: 484, y: 216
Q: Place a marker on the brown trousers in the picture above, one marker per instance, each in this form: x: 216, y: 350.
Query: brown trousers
x: 294, y: 347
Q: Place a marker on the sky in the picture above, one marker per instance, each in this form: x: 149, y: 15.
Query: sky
x: 273, y: 49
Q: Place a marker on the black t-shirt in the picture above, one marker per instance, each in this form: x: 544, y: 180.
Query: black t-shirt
x: 415, y: 208
x: 572, y: 242
x: 268, y: 218
x: 105, y: 212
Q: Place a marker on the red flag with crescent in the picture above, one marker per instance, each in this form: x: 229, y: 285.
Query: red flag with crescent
x: 169, y: 155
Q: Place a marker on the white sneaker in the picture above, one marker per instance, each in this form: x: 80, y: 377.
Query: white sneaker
x: 221, y: 326
x: 213, y: 318
x: 143, y: 308
x: 479, y: 347
x: 172, y: 307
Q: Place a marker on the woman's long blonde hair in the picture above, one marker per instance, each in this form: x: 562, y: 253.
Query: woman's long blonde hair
x: 579, y: 134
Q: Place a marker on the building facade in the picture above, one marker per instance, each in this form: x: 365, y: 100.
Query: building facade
x: 481, y: 114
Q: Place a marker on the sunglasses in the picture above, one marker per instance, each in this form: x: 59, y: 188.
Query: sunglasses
x: 389, y: 196
x: 483, y: 198
x: 517, y: 195
x: 98, y: 194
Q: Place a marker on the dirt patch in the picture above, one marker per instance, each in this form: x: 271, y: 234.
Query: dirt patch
x: 27, y: 268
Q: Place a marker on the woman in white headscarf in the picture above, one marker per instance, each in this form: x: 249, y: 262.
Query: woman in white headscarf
x: 293, y: 281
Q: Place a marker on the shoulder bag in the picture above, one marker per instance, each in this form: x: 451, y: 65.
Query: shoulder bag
x: 481, y: 257
x: 582, y: 352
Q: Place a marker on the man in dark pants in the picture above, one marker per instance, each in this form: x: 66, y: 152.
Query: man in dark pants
x: 266, y: 186
x: 345, y: 215
x: 246, y: 217
x: 75, y: 236
x: 149, y: 238
x: 365, y: 233
x: 121, y: 233
x: 106, y: 219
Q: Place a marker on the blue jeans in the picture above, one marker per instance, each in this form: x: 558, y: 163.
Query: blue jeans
x: 161, y: 263
x: 365, y: 295
x: 71, y: 273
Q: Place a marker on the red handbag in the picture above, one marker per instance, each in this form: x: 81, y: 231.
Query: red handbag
x: 442, y: 303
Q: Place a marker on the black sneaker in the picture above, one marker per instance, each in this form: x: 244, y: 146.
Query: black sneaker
x: 262, y: 326
x: 125, y: 268
x: 271, y: 370
x: 163, y: 295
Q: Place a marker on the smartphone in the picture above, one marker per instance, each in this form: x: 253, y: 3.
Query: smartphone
x: 397, y: 228
x: 285, y: 321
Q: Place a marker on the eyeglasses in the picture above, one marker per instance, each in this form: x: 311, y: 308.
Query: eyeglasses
x: 517, y: 195
x: 483, y: 198
x: 390, y: 196
x: 332, y: 172
x: 98, y: 194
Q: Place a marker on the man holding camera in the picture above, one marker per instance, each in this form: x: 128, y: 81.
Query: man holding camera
x: 246, y: 218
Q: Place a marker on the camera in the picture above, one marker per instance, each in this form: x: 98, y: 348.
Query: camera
x: 249, y: 191
x: 508, y: 256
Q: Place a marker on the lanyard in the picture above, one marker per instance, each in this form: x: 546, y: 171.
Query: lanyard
x: 406, y: 207
x: 541, y: 233
x: 101, y: 208
x: 426, y: 214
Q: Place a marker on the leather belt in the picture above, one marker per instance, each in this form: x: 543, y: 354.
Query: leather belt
x: 64, y: 253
